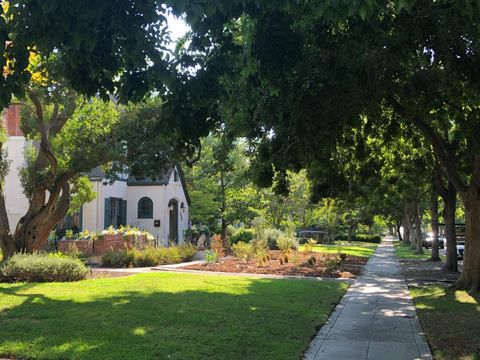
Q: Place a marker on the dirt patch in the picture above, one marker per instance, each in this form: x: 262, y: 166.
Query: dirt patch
x: 424, y: 272
x: 325, y: 265
x: 98, y: 274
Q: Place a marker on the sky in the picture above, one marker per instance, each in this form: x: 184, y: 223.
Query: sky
x: 177, y: 27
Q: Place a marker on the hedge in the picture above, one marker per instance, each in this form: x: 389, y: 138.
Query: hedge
x: 360, y: 237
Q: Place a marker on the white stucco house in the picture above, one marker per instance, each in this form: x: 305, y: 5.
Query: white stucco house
x: 160, y: 206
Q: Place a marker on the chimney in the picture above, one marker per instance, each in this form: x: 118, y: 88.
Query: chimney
x: 11, y: 120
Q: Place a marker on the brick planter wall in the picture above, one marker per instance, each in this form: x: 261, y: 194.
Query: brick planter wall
x: 85, y: 246
x: 105, y: 244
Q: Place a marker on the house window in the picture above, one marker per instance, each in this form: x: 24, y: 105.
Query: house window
x: 145, y: 208
x: 175, y: 176
x: 115, y: 212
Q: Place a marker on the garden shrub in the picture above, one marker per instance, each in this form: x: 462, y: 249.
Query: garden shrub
x: 309, y: 245
x: 118, y: 258
x: 187, y: 252
x: 150, y: 256
x: 146, y: 257
x: 285, y: 244
x: 243, y: 235
x: 376, y: 239
x: 168, y: 255
x: 332, y: 262
x: 243, y: 251
x: 272, y: 235
x: 211, y: 257
x: 43, y: 267
x: 73, y: 252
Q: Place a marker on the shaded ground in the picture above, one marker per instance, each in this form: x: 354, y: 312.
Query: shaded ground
x: 325, y: 265
x: 451, y: 319
x: 164, y: 316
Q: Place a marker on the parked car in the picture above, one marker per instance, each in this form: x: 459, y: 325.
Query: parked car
x: 460, y: 249
x: 428, y: 241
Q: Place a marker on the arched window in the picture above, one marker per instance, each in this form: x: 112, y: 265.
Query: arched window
x: 145, y: 208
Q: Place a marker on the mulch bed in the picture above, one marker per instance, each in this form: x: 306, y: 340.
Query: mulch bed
x: 297, y: 265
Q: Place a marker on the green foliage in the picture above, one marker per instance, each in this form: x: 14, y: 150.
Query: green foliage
x: 243, y: 251
x: 211, y: 257
x: 242, y: 235
x: 27, y: 172
x: 82, y: 193
x: 146, y: 257
x: 308, y: 246
x: 187, y: 252
x: 118, y: 258
x: 43, y: 267
x: 74, y: 253
x: 272, y: 235
x: 376, y: 239
x: 286, y: 244
x: 150, y: 256
x: 219, y: 185
x: 332, y: 262
x: 168, y: 255
x: 4, y: 160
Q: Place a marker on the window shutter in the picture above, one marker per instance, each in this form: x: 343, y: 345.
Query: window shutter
x: 108, y: 214
x: 124, y: 213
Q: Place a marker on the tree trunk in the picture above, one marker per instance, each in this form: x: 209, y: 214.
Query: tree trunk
x: 399, y: 234
x: 406, y: 232
x: 6, y: 241
x: 470, y: 277
x: 224, y: 234
x: 434, y: 209
x: 351, y: 230
x: 450, y: 205
x: 418, y: 228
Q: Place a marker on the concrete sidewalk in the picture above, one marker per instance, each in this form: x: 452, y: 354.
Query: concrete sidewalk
x: 375, y: 320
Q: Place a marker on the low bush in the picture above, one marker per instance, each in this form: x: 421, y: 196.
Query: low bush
x: 376, y: 239
x: 272, y: 235
x: 170, y: 255
x: 332, y: 262
x: 285, y: 244
x: 211, y: 257
x: 243, y: 251
x: 243, y: 235
x: 118, y: 258
x: 146, y: 257
x: 74, y: 253
x: 43, y: 267
x: 187, y: 252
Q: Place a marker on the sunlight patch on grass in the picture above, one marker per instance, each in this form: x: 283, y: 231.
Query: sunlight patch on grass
x: 139, y: 331
x: 358, y: 249
x: 406, y: 252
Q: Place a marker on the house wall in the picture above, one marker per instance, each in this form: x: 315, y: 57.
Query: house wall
x: 16, y: 202
x: 174, y: 190
x: 94, y: 211
x: 160, y: 195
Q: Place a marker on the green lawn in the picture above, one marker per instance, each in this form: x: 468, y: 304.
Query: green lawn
x: 406, y: 252
x: 451, y: 321
x: 164, y: 316
x: 358, y: 249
